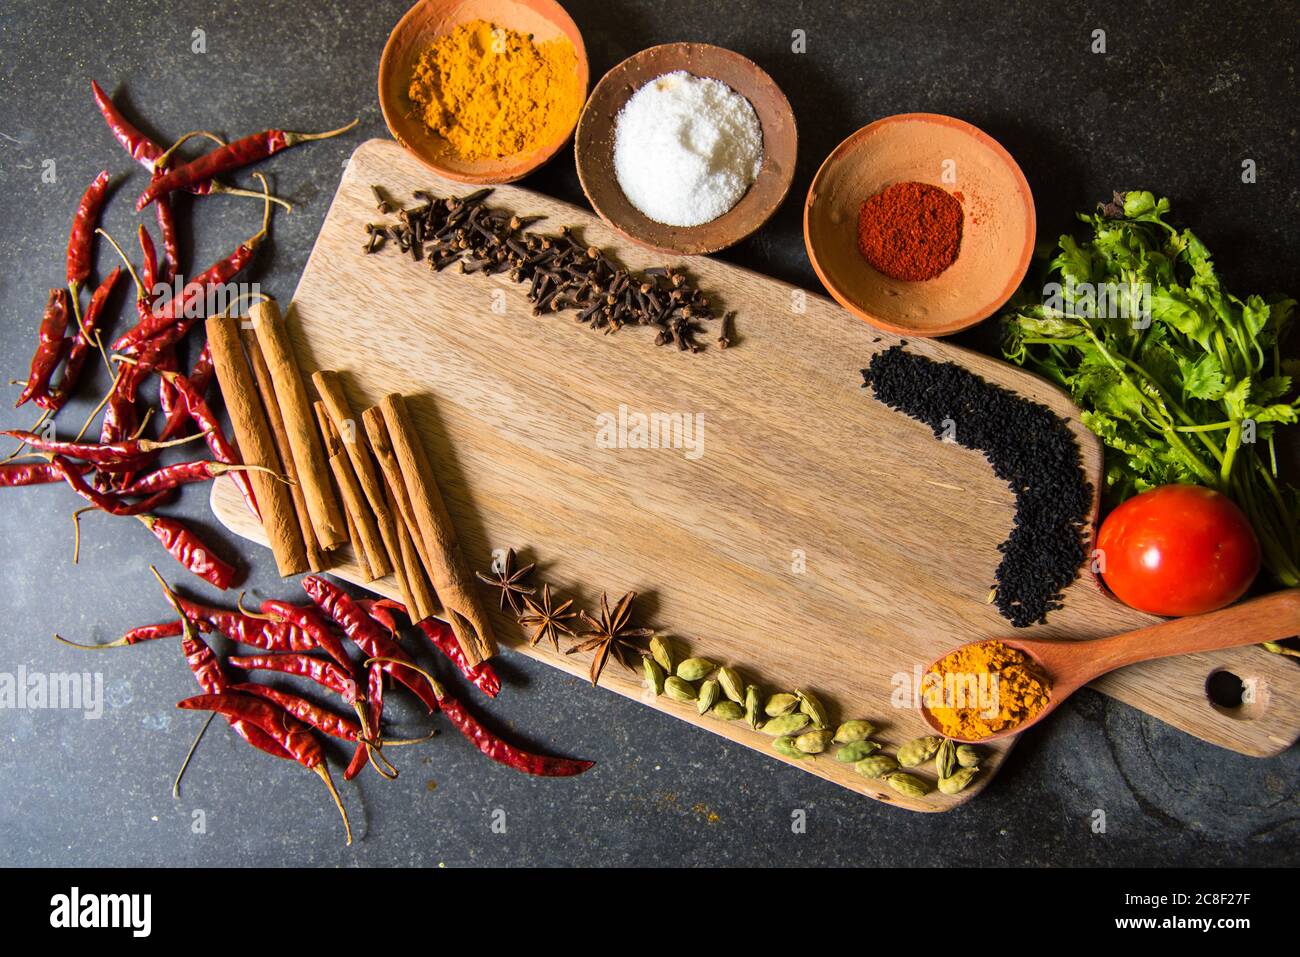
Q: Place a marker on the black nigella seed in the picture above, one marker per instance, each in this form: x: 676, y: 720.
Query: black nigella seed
x: 1030, y: 447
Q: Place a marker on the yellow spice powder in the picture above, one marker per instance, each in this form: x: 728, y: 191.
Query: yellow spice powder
x: 492, y: 92
x: 966, y: 677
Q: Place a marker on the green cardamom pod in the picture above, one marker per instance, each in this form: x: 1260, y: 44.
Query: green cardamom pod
x: 728, y: 710
x: 662, y: 650
x: 919, y: 750
x: 968, y: 756
x: 679, y: 690
x: 814, y: 742
x: 693, y: 669
x: 780, y: 704
x: 732, y: 684
x: 856, y: 751
x: 751, y: 707
x: 876, y: 766
x: 654, y: 675
x: 786, y: 724
x: 786, y: 745
x: 958, y: 780
x: 811, y: 706
x: 709, y: 692
x: 855, y: 730
x: 908, y: 784
x: 945, y: 759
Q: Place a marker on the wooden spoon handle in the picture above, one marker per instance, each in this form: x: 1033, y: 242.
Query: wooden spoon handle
x: 1270, y: 618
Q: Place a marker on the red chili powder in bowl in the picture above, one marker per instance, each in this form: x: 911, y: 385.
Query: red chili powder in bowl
x: 910, y: 231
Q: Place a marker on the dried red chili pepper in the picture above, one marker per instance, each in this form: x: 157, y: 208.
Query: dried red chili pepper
x: 308, y: 712
x: 14, y: 474
x: 374, y: 718
x: 212, y: 679
x: 85, y: 340
x: 325, y: 673
x: 102, y: 500
x: 482, y: 676
x: 171, y: 261
x: 143, y: 633
x: 140, y: 147
x: 196, y: 407
x: 505, y: 753
x: 184, y: 473
x: 191, y: 551
x: 113, y: 456
x: 496, y: 747
x: 440, y: 635
x: 200, y: 377
x: 84, y: 222
x: 195, y: 291
x: 311, y: 622
x: 368, y: 636
x: 247, y: 630
x: 232, y: 156
x: 51, y: 345
x: 290, y: 733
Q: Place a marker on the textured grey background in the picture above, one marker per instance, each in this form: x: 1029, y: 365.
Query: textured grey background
x: 1180, y: 99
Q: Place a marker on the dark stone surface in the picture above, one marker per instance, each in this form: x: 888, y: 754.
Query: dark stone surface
x: 1181, y: 97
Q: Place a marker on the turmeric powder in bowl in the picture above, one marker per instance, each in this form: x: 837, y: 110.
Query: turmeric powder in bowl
x: 983, y: 688
x: 491, y: 92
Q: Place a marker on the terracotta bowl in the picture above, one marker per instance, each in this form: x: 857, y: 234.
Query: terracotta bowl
x: 997, y: 227
x: 429, y: 19
x: 595, y: 147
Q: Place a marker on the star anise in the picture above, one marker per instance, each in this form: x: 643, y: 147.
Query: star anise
x: 610, y: 633
x: 548, y: 620
x: 510, y: 581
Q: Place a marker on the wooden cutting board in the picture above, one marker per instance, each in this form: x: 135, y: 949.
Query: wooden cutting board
x: 817, y: 540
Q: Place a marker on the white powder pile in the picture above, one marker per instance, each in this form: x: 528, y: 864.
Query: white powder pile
x: 686, y: 148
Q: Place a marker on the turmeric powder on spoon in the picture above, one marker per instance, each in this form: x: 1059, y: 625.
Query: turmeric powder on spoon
x: 491, y: 92
x: 983, y: 688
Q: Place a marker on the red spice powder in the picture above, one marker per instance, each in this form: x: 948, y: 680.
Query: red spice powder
x: 910, y: 231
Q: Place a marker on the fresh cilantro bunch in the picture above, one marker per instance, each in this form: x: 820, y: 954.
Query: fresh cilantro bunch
x: 1182, y: 380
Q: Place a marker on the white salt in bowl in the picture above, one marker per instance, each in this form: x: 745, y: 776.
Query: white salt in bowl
x: 594, y: 147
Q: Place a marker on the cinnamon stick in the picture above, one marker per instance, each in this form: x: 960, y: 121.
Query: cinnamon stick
x: 316, y: 559
x: 448, y: 571
x: 252, y: 432
x: 299, y: 424
x: 420, y: 597
x: 329, y: 386
x: 366, y: 544
x: 407, y: 536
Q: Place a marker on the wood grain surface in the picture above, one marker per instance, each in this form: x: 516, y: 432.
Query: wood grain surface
x: 819, y: 540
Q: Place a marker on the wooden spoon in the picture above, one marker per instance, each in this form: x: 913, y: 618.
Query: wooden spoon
x: 1069, y: 665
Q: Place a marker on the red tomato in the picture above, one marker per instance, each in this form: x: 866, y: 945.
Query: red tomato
x: 1178, y: 550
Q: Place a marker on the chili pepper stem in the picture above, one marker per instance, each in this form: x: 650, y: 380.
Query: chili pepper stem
x: 76, y: 532
x: 144, y: 424
x: 100, y: 407
x: 293, y: 139
x: 117, y: 643
x: 165, y: 157
x: 176, y: 785
x: 22, y: 445
x: 248, y: 613
x: 390, y: 742
x: 322, y: 771
x: 220, y: 187
x: 372, y: 750
x: 139, y: 286
x: 438, y: 691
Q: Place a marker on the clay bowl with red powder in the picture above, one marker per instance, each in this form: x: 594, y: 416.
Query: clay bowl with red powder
x: 900, y: 164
